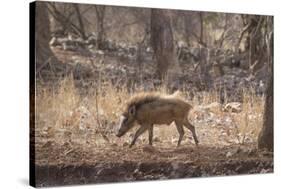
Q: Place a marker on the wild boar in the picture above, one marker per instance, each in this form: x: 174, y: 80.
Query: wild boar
x: 147, y: 109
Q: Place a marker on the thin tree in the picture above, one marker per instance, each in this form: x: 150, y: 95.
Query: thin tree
x: 80, y: 21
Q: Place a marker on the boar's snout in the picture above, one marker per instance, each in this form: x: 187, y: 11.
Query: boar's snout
x: 121, y: 126
x: 118, y: 134
x: 125, y: 125
x: 121, y: 131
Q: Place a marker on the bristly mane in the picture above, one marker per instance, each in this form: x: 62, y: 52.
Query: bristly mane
x: 142, y: 98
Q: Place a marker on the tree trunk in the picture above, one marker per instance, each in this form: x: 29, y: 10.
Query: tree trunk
x: 265, y: 139
x: 201, y: 39
x: 42, y: 36
x: 162, y: 41
x: 100, y: 13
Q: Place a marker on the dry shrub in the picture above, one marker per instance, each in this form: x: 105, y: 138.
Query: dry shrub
x: 249, y: 121
x: 55, y: 108
x: 64, y: 114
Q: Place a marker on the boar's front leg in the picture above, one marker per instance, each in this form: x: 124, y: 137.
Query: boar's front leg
x: 138, y: 133
x: 150, y: 135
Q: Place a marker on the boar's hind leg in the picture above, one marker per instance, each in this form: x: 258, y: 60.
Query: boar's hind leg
x: 181, y: 131
x: 138, y: 133
x: 192, y: 129
x: 150, y: 135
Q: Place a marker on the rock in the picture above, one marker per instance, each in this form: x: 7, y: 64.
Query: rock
x: 229, y: 154
x: 125, y: 144
x: 235, y: 107
x: 267, y: 154
x: 156, y: 139
x: 213, y: 107
x: 265, y: 171
x: 136, y: 171
x: 238, y: 168
x: 48, y: 144
x: 148, y: 148
x: 237, y: 150
x: 114, y: 144
x: 252, y: 152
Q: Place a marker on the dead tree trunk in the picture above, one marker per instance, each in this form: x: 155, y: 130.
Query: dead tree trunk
x: 100, y: 13
x: 44, y: 54
x: 162, y: 41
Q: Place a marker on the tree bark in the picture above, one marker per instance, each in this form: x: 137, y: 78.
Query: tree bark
x: 162, y: 41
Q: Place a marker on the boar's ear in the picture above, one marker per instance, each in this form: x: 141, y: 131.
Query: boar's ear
x: 132, y: 110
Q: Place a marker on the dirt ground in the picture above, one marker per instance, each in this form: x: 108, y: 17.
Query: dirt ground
x: 66, y: 165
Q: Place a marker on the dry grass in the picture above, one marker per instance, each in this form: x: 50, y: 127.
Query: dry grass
x: 64, y: 115
x: 250, y: 119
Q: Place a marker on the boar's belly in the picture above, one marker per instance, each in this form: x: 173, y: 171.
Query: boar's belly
x: 159, y: 115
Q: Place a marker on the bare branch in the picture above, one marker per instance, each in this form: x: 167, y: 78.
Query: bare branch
x: 245, y: 29
x: 63, y: 20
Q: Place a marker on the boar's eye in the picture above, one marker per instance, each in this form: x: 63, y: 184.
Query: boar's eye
x: 132, y: 110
